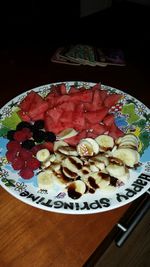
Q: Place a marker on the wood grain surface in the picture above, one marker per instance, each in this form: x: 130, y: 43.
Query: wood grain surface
x: 33, y: 237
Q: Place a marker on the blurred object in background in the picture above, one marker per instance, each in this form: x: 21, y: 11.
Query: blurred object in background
x: 88, y: 7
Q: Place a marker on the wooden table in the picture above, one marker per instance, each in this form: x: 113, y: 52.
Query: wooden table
x: 34, y: 237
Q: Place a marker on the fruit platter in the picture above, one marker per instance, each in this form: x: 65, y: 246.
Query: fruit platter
x: 75, y: 147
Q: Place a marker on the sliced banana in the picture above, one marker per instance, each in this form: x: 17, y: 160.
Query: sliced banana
x: 116, y: 170
x: 74, y: 164
x: 76, y: 189
x: 101, y: 158
x: 55, y: 166
x: 68, y: 150
x: 129, y: 144
x: 45, y: 164
x: 69, y: 174
x: 116, y: 161
x: 45, y: 179
x: 85, y: 171
x: 94, y: 145
x: 58, y: 144
x: 59, y: 157
x: 43, y: 155
x: 128, y: 138
x: 52, y: 157
x: 96, y: 165
x: 105, y: 142
x: 85, y: 148
x: 129, y: 156
x: 124, y: 178
x: 67, y: 133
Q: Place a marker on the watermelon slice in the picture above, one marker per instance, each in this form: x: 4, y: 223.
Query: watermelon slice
x: 37, y: 109
x: 115, y: 132
x: 98, y: 128
x: 28, y: 101
x: 74, y: 140
x: 112, y: 99
x: 96, y: 116
x: 109, y: 120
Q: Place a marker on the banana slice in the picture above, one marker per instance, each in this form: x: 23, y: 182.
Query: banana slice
x: 94, y: 145
x: 105, y: 142
x: 130, y: 157
x: 85, y: 171
x: 69, y: 173
x: 49, y: 161
x: 45, y: 180
x: 101, y: 158
x: 45, y: 164
x: 128, y: 144
x: 85, y: 148
x: 59, y: 157
x: 43, y: 155
x: 52, y: 157
x: 117, y: 171
x: 58, y: 144
x: 102, y: 179
x: 68, y: 150
x: 129, y: 138
x: 73, y: 164
x: 55, y: 166
x: 76, y: 189
x: 124, y: 178
x: 67, y: 133
x: 96, y: 165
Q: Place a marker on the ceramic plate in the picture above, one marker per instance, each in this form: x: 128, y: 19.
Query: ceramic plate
x: 130, y: 116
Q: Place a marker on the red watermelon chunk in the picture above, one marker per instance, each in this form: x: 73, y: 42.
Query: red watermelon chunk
x: 97, y: 99
x: 112, y: 99
x: 67, y: 119
x: 103, y: 94
x: 96, y: 116
x: 28, y: 101
x: 73, y: 90
x: 51, y: 99
x: 109, y: 120
x: 67, y: 106
x: 52, y: 126
x: 115, y: 132
x: 85, y: 96
x: 61, y: 99
x: 96, y: 86
x: 78, y: 117
x: 62, y: 88
x: 23, y: 115
x: 37, y: 109
x: 98, y: 128
x: 74, y: 140
x: 54, y: 113
x: 91, y: 135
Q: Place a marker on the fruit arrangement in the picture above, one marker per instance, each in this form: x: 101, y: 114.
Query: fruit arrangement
x: 23, y: 145
x: 71, y: 138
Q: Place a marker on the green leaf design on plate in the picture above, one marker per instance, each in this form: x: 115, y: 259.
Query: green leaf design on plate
x: 129, y: 109
x: 3, y: 131
x: 145, y: 139
x: 4, y: 180
x: 8, y: 182
x: 141, y: 123
x: 147, y: 116
x: 11, y: 121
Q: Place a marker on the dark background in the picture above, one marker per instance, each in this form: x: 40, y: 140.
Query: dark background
x: 48, y: 24
x: 30, y: 32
